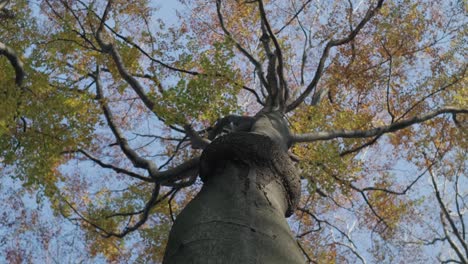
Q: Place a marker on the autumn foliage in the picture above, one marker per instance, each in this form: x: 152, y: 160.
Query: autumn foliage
x: 105, y: 107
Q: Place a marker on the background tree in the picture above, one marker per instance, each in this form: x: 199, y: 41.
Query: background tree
x: 105, y: 108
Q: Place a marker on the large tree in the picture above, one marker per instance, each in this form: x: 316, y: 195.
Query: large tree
x: 264, y: 131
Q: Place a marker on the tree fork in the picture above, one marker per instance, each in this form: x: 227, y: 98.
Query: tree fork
x: 250, y: 186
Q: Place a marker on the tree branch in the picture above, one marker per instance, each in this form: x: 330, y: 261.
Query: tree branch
x: 277, y: 69
x: 109, y: 48
x: 131, y: 154
x: 196, y: 140
x: 114, y: 168
x: 310, y: 137
x: 142, y: 210
x: 309, y: 259
x: 327, y: 223
x: 139, y: 162
x: 449, y: 219
x: 145, y: 214
x: 333, y: 43
x: 258, y: 66
x: 15, y: 61
x: 293, y: 17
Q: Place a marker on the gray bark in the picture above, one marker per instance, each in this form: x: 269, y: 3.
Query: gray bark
x: 250, y: 186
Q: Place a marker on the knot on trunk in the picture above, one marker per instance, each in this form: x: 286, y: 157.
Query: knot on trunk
x: 260, y: 153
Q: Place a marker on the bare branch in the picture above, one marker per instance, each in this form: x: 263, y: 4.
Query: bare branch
x: 81, y: 216
x: 309, y: 259
x: 136, y: 86
x: 447, y: 216
x: 333, y: 43
x: 374, y: 131
x: 138, y: 47
x: 109, y: 48
x: 145, y: 214
x: 358, y: 148
x: 258, y: 66
x: 389, y: 78
x: 104, y: 16
x: 404, y: 191
x: 327, y: 223
x: 162, y: 198
x: 257, y: 96
x: 457, y: 205
x: 293, y: 17
x: 157, y: 176
x: 353, y: 251
x: 177, y: 148
x: 158, y: 137
x: 83, y: 33
x: 131, y: 154
x: 114, y: 168
x: 451, y: 242
x: 455, y: 79
x: 169, y: 202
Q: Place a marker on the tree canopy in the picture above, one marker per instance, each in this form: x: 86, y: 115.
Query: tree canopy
x: 106, y: 106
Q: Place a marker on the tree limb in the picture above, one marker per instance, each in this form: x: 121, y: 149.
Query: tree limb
x: 293, y: 17
x: 196, y: 140
x: 131, y: 154
x: 145, y: 214
x: 278, y: 69
x: 114, y: 168
x: 310, y: 137
x: 157, y: 176
x: 258, y: 66
x: 333, y: 43
x: 15, y: 61
x: 446, y: 214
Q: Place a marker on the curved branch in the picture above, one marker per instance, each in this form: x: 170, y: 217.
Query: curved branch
x: 310, y: 137
x: 454, y: 80
x: 445, y: 213
x: 327, y: 223
x: 139, y: 162
x: 124, y: 214
x: 257, y: 64
x: 353, y: 251
x: 145, y: 214
x: 176, y: 173
x: 114, y: 168
x: 257, y: 96
x: 171, y: 157
x: 333, y: 43
x: 293, y: 17
x: 14, y: 61
x: 138, y: 47
x: 282, y: 89
x: 404, y: 191
x: 109, y: 48
x: 358, y: 148
x: 196, y: 140
x: 309, y: 259
x: 131, y: 154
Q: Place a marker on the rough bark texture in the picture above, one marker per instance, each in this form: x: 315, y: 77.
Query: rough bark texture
x: 249, y: 187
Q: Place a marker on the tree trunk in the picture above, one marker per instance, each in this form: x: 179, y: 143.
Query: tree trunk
x: 238, y: 216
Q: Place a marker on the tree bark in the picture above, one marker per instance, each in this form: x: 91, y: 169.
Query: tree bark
x: 250, y: 185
